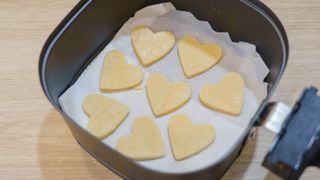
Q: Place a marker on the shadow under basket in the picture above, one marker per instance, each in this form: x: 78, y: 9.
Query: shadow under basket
x: 91, y: 25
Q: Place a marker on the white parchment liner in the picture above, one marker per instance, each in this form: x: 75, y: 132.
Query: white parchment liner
x: 239, y: 57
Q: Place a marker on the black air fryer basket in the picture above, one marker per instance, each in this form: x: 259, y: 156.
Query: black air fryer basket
x: 89, y: 27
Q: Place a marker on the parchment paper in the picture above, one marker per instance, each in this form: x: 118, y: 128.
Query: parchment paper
x: 239, y: 57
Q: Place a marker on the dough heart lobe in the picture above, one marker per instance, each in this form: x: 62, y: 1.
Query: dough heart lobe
x: 164, y: 96
x: 151, y: 47
x: 226, y: 97
x: 105, y: 114
x: 117, y: 74
x: 196, y: 58
x: 188, y: 139
x: 144, y: 142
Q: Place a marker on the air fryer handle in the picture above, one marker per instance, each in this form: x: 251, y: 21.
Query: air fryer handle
x: 297, y: 143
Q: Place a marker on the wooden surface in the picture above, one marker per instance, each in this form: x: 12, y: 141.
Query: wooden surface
x: 35, y: 141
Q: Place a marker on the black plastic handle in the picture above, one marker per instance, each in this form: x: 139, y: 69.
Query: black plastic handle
x: 297, y: 146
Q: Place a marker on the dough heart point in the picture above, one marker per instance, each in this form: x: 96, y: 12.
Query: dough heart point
x: 196, y: 58
x: 188, y: 139
x: 151, y: 47
x: 164, y: 96
x: 105, y: 114
x: 117, y: 74
x: 226, y: 97
x: 144, y: 142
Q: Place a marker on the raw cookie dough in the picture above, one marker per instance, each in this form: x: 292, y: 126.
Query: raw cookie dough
x: 164, y: 96
x: 105, y: 114
x: 197, y: 58
x: 226, y: 97
x: 188, y: 139
x: 117, y: 74
x: 144, y: 142
x: 151, y: 47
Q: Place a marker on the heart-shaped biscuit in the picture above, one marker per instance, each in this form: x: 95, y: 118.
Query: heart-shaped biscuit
x: 105, y: 114
x: 117, y: 74
x: 151, y: 47
x: 164, y: 96
x: 144, y: 142
x: 188, y: 139
x: 226, y: 97
x: 197, y: 58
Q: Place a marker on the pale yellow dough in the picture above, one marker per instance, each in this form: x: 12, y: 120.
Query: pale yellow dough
x: 151, y: 47
x: 117, y: 74
x: 164, y: 96
x: 105, y: 114
x: 197, y: 58
x: 144, y: 142
x: 188, y: 139
x: 226, y: 97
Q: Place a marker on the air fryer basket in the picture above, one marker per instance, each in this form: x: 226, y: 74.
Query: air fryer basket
x: 91, y: 25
